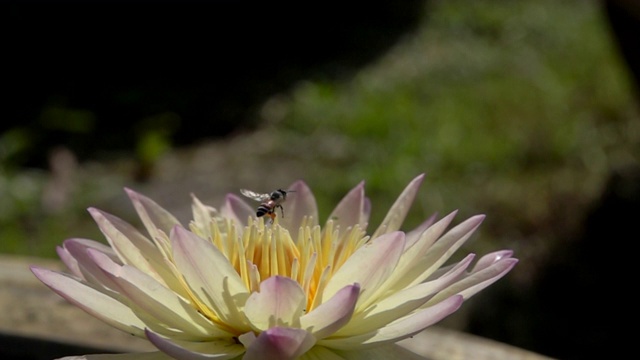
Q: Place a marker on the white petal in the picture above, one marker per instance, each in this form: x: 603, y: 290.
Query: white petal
x: 163, y: 304
x: 155, y: 355
x: 280, y: 302
x: 401, y: 303
x: 300, y: 203
x: 332, y: 314
x: 398, y: 211
x: 90, y: 271
x: 153, y: 216
x: 384, y: 352
x: 369, y: 266
x: 236, y: 209
x: 399, y: 329
x: 350, y: 210
x: 475, y: 281
x: 132, y: 247
x: 424, y: 266
x: 210, y: 276
x: 410, y: 262
x: 280, y: 343
x: 91, y: 300
x: 219, y: 349
x: 321, y: 353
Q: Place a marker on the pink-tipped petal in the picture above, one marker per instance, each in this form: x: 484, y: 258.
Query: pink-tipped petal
x: 473, y: 282
x: 414, y: 235
x: 72, y: 263
x: 383, y: 352
x: 164, y: 305
x: 421, y: 268
x: 237, y: 209
x: 219, y: 349
x: 333, y: 314
x: 351, y: 209
x: 300, y: 203
x: 90, y: 271
x: 280, y: 343
x: 210, y: 276
x: 91, y: 300
x: 280, y: 302
x: 131, y: 246
x: 398, y: 211
x: 154, y: 355
x: 401, y: 303
x: 369, y: 266
x: 491, y: 258
x: 399, y: 329
x: 153, y: 216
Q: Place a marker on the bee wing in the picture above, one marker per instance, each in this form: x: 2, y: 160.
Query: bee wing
x: 254, y: 195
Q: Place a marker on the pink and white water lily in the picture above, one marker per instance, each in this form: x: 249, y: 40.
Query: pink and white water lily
x: 232, y: 286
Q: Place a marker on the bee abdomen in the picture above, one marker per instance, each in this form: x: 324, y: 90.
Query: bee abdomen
x: 262, y: 211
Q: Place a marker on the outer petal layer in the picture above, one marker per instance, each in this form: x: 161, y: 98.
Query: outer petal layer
x: 219, y: 349
x: 333, y: 314
x: 280, y: 343
x: 210, y: 276
x: 280, y: 302
x: 369, y: 266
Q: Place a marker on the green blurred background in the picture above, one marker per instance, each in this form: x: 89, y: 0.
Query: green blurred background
x: 521, y: 110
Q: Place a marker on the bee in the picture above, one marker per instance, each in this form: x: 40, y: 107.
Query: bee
x: 268, y: 202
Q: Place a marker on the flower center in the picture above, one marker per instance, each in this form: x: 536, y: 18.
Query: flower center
x: 311, y: 257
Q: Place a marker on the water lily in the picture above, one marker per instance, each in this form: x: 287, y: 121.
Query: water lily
x: 230, y: 285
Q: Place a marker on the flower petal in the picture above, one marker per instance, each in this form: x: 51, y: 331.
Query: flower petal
x: 300, y: 203
x: 210, y: 276
x: 369, y: 266
x: 421, y: 268
x: 384, y: 352
x: 90, y: 271
x: 280, y: 343
x: 163, y: 304
x: 403, y: 276
x: 153, y: 216
x: 91, y: 300
x: 399, y: 329
x: 72, y: 263
x: 397, y: 213
x: 477, y: 280
x: 414, y: 235
x: 401, y: 303
x: 236, y: 209
x: 333, y: 314
x: 154, y: 355
x: 321, y: 353
x: 351, y: 209
x: 280, y: 302
x: 219, y: 349
x: 132, y: 247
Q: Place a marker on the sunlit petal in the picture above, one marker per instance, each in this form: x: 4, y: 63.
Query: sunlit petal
x: 399, y: 329
x: 400, y: 208
x: 332, y: 314
x: 91, y: 300
x: 369, y: 266
x: 219, y: 349
x: 300, y: 204
x: 280, y: 343
x: 280, y: 302
x: 210, y: 276
x: 351, y: 209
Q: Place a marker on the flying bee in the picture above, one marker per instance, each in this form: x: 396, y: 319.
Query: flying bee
x: 268, y: 202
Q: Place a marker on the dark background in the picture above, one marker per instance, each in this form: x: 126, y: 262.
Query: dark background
x: 212, y: 64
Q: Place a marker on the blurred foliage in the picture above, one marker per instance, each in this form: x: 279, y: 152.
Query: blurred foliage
x: 518, y: 109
